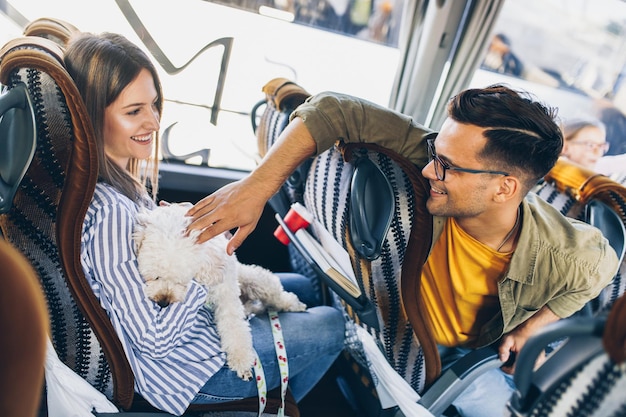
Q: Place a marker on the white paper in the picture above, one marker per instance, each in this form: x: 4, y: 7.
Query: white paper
x: 389, y: 383
x: 68, y: 394
x: 335, y: 250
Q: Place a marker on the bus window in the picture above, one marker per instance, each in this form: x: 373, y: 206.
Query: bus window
x: 570, y: 54
x: 371, y: 20
x: 357, y: 54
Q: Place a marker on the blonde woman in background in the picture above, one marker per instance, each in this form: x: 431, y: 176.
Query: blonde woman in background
x: 584, y: 141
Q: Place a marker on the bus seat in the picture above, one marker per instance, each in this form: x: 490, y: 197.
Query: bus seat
x: 24, y: 326
x: 44, y: 222
x: 596, y: 199
x: 586, y: 375
x: 388, y: 276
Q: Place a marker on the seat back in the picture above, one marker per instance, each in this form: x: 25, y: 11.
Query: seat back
x: 596, y: 199
x: 586, y: 376
x: 24, y: 326
x: 387, y: 243
x: 45, y: 219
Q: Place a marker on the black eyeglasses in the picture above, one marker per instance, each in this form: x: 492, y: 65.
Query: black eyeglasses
x: 441, y: 166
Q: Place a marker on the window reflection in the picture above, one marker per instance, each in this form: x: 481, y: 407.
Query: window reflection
x: 372, y: 20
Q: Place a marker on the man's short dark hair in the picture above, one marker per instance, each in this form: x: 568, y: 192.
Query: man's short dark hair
x: 522, y: 134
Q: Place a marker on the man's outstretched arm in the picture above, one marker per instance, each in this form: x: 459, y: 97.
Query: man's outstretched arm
x: 240, y: 204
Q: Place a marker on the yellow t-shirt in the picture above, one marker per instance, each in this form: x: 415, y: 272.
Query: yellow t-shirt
x: 460, y: 285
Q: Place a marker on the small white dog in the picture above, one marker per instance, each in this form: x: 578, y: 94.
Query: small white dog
x: 169, y: 259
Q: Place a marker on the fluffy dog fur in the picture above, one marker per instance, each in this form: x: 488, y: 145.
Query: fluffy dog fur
x: 169, y: 259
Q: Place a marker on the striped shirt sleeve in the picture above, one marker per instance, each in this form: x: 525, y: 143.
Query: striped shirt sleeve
x: 173, y: 350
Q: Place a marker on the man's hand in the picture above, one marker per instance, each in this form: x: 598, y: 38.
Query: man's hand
x: 514, y: 341
x: 236, y: 205
x: 240, y: 204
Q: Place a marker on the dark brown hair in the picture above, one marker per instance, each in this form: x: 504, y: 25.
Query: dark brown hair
x: 522, y: 134
x: 102, y: 66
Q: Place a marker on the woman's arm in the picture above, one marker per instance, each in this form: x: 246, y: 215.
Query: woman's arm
x: 152, y: 330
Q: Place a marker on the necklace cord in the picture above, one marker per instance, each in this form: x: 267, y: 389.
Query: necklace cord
x: 513, y: 229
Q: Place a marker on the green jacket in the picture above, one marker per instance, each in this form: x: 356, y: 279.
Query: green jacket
x: 559, y: 262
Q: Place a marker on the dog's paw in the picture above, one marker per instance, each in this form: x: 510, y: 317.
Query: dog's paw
x: 243, y: 370
x: 241, y: 359
x: 245, y: 375
x: 290, y: 302
x: 253, y: 307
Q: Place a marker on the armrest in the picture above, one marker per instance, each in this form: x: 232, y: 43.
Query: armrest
x: 579, y: 348
x: 458, y: 377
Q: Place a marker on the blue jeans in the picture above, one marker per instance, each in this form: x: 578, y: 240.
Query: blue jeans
x: 313, y: 340
x: 487, y: 395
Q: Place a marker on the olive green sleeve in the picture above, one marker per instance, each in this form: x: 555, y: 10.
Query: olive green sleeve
x: 332, y: 117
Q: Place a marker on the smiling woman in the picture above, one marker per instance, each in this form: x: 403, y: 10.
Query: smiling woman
x: 132, y: 121
x: 182, y: 353
x: 124, y: 101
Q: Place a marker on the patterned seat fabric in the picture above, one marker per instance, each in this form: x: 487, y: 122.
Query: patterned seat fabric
x: 34, y: 224
x: 569, y: 188
x: 390, y: 281
x: 585, y: 377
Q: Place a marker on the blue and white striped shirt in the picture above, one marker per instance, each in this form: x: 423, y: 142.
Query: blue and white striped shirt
x: 173, y: 351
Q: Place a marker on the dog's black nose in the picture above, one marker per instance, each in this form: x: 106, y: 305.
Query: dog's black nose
x: 163, y: 303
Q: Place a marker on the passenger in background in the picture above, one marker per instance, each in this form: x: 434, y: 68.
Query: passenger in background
x: 614, y: 162
x: 584, y: 141
x: 500, y: 57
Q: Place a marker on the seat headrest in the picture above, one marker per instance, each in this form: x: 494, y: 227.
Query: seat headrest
x: 24, y: 46
x: 285, y: 94
x: 18, y: 139
x: 56, y: 30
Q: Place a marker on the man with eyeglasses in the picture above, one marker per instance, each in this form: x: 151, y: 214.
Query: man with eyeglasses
x: 503, y: 263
